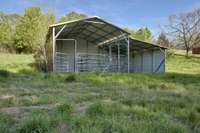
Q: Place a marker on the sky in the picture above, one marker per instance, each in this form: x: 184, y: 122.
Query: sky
x: 124, y: 13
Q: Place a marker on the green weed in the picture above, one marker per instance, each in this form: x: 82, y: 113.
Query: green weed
x: 35, y: 124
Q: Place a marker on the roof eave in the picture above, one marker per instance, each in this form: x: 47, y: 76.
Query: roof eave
x: 69, y: 22
x: 149, y: 43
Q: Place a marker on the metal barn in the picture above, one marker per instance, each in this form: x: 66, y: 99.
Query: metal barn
x: 94, y: 44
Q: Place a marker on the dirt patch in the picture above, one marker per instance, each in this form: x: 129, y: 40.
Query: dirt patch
x: 18, y: 112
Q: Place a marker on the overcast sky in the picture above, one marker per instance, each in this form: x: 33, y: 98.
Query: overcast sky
x: 124, y: 13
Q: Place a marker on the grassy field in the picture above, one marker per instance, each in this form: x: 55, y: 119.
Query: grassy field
x: 35, y: 102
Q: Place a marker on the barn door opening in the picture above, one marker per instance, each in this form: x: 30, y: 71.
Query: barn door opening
x: 65, y: 55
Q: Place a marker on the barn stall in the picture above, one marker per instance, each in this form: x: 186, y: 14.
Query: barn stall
x: 94, y: 44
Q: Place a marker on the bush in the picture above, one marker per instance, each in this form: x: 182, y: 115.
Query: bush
x: 98, y: 72
x: 35, y: 124
x: 6, y: 123
x: 127, y: 101
x: 96, y: 109
x: 65, y: 108
x: 28, y: 71
x: 194, y: 117
x: 40, y: 61
x: 71, y: 78
x: 170, y: 52
x: 4, y: 73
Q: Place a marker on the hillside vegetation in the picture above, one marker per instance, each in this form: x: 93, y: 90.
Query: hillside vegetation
x: 32, y: 101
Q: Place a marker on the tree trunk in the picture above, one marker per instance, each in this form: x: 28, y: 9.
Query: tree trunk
x: 187, y: 52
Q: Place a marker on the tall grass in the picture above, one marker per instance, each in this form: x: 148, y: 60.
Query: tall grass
x: 93, y: 102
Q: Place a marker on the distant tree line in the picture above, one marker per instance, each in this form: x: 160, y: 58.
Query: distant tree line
x: 143, y: 34
x: 26, y: 33
x: 184, y: 29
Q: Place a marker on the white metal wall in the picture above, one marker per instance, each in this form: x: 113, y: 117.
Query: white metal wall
x: 67, y: 47
x: 159, y: 61
x: 149, y: 61
x: 146, y: 61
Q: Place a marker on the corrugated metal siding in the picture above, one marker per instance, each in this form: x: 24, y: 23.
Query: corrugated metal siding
x: 131, y: 63
x: 138, y: 62
x: 66, y: 47
x: 149, y: 61
x: 158, y: 61
x: 146, y: 61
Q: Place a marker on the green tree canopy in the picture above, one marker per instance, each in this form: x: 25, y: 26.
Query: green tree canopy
x: 72, y: 16
x: 143, y: 34
x: 162, y: 40
x: 7, y: 28
x: 132, y: 32
x: 32, y: 29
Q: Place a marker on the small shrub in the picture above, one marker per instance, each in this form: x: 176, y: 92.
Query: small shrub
x: 28, y: 71
x: 128, y: 102
x: 62, y: 114
x: 96, y: 109
x: 182, y: 104
x: 8, y: 101
x: 6, y: 123
x: 153, y: 86
x: 71, y: 78
x: 4, y: 73
x: 47, y: 75
x: 35, y: 124
x: 198, y: 109
x: 41, y: 62
x: 193, y: 117
x: 65, y: 108
x: 98, y: 72
x: 170, y: 53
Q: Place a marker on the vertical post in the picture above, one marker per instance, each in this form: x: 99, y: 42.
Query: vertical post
x: 75, y: 51
x: 128, y: 54
x: 152, y: 61
x: 141, y: 61
x: 110, y: 55
x: 118, y: 62
x: 164, y: 60
x: 54, y: 45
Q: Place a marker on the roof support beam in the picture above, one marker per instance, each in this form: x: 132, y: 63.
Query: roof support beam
x: 60, y: 31
x: 102, y: 37
x: 102, y: 29
x: 83, y: 27
x: 105, y: 35
x: 94, y: 31
x: 72, y: 28
x: 114, y: 39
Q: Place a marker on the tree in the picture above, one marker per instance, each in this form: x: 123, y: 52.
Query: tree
x: 143, y: 34
x: 40, y: 54
x: 132, y: 32
x: 72, y: 16
x: 185, y: 29
x: 27, y: 30
x: 6, y: 33
x: 162, y: 40
x: 31, y: 31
